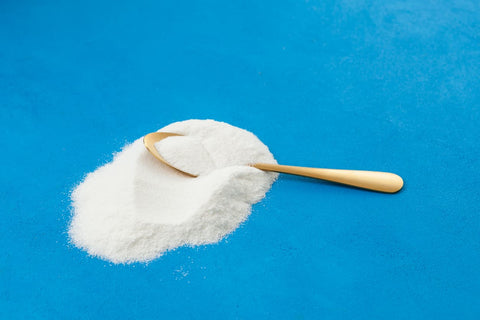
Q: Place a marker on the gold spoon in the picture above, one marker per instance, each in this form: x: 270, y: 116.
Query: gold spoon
x: 371, y: 180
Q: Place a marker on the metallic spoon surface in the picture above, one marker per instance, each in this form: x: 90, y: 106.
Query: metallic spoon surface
x: 372, y: 180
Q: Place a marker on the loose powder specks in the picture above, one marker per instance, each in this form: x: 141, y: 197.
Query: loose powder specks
x: 135, y: 208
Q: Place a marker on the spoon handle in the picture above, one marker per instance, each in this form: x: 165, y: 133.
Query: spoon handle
x: 372, y: 180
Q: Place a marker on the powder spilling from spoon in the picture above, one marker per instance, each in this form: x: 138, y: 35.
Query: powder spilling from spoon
x: 135, y: 208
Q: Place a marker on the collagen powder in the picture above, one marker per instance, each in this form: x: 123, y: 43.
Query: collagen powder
x: 135, y: 207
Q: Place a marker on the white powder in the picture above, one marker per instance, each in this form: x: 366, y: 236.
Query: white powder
x: 135, y: 208
x: 187, y: 154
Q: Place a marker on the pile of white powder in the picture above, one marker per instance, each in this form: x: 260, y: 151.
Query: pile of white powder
x: 135, y: 208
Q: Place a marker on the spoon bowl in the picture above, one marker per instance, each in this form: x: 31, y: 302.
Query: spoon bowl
x: 149, y: 141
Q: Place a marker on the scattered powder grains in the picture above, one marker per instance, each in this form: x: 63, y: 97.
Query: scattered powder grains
x: 135, y: 208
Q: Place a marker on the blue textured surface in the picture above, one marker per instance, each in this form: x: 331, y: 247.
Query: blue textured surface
x: 344, y: 84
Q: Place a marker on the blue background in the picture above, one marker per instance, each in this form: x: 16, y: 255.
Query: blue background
x: 376, y: 85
